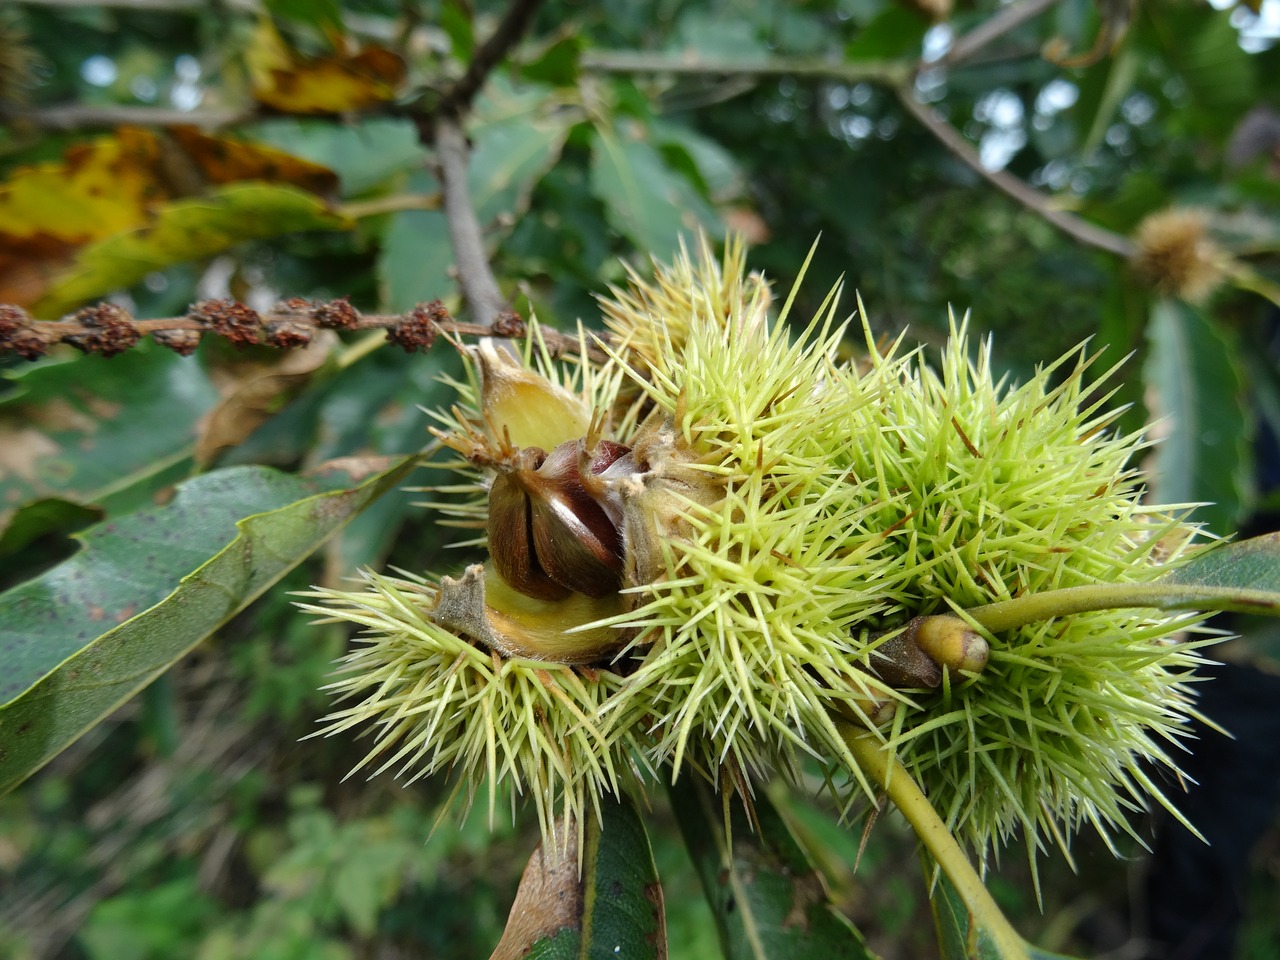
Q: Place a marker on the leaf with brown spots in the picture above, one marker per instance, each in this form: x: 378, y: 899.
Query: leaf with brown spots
x: 611, y: 908
x: 226, y: 159
x: 768, y: 899
x: 340, y: 82
x: 49, y: 209
x: 147, y: 587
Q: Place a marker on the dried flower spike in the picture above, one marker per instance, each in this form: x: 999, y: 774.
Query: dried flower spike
x: 1176, y: 255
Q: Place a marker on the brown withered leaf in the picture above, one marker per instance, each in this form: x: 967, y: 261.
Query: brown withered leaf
x: 549, y: 899
x: 253, y: 391
x: 591, y: 895
x: 226, y: 160
x: 49, y: 209
x: 285, y: 80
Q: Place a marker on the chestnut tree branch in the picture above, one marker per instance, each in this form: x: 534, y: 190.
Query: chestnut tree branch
x: 479, y: 287
x: 1035, y: 201
x: 76, y: 116
x: 175, y: 6
x: 1006, y: 21
x: 892, y: 72
x: 517, y: 20
x: 443, y: 128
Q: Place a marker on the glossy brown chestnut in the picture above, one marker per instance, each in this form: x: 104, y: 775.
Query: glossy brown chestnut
x: 549, y: 534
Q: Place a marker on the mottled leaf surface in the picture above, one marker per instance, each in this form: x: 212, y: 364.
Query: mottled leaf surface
x: 104, y: 187
x: 768, y: 899
x: 147, y: 587
x: 287, y: 81
x: 611, y: 908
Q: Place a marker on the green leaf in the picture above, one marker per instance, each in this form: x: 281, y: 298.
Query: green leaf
x: 607, y: 906
x: 1193, y: 370
x: 414, y: 263
x: 1122, y: 71
x: 644, y: 199
x: 458, y: 22
x: 188, y: 230
x: 715, y: 166
x: 41, y: 518
x: 768, y: 900
x: 1242, y: 576
x: 557, y: 63
x: 364, y: 154
x: 716, y: 34
x: 148, y: 587
x: 509, y: 157
x: 898, y: 32
x: 396, y: 426
x: 1204, y: 48
x: 87, y: 429
x: 959, y: 938
x: 323, y: 14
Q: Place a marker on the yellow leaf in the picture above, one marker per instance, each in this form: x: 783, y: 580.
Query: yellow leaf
x: 98, y: 189
x: 286, y: 81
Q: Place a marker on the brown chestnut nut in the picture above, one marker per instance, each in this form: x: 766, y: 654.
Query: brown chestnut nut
x: 548, y: 535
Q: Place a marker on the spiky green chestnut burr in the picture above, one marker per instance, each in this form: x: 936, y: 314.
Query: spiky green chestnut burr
x: 1001, y: 492
x: 719, y: 548
x: 864, y: 509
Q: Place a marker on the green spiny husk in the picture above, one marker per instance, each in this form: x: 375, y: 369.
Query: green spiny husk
x: 821, y: 505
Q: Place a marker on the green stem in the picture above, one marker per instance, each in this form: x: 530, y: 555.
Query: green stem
x: 359, y: 209
x: 883, y: 767
x: 890, y: 72
x: 1033, y: 607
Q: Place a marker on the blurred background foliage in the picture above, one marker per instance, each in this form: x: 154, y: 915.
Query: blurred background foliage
x: 162, y: 152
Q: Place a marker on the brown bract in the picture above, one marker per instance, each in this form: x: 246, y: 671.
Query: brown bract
x: 111, y: 330
x: 231, y: 319
x: 181, y: 342
x: 550, y: 898
x: 420, y: 327
x: 18, y: 335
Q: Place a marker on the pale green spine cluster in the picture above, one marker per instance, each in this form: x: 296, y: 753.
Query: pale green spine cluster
x: 436, y: 703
